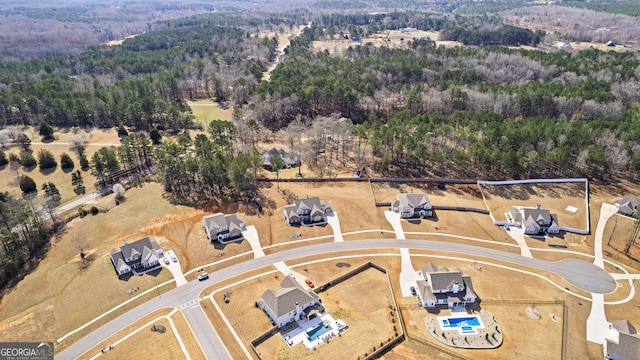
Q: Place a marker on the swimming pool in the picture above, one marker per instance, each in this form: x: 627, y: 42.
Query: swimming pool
x: 318, y: 331
x: 464, y: 324
x: 461, y: 321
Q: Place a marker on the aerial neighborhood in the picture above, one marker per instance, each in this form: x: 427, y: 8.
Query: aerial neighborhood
x: 319, y: 180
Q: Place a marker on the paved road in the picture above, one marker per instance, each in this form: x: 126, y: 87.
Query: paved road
x: 206, y: 335
x: 580, y: 273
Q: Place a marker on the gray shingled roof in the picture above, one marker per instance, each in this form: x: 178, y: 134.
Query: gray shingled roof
x: 627, y: 347
x: 425, y: 290
x: 445, y: 280
x: 138, y: 247
x: 627, y: 205
x: 221, y: 221
x: 413, y: 200
x: 283, y: 300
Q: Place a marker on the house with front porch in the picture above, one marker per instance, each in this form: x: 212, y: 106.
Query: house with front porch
x: 137, y: 256
x: 292, y: 302
x: 624, y: 344
x: 534, y: 221
x: 309, y: 211
x: 412, y: 205
x: 444, y: 287
x: 223, y: 228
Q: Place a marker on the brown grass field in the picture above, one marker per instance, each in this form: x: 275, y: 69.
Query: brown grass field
x: 206, y: 110
x: 62, y: 179
x: 143, y: 341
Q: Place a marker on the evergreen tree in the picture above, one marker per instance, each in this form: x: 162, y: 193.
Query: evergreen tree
x: 27, y: 185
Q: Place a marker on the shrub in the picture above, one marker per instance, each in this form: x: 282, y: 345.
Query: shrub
x: 3, y: 158
x: 46, y: 159
x: 27, y: 184
x: 46, y: 131
x: 94, y: 210
x: 82, y: 212
x: 66, y: 162
x: 122, y: 132
x: 84, y: 162
x: 27, y: 159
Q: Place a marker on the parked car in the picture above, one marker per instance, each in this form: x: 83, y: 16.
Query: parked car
x: 174, y: 258
x: 413, y: 291
x: 203, y: 276
x: 166, y: 260
x: 310, y: 283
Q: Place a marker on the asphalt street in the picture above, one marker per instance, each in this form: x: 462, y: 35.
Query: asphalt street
x: 580, y: 273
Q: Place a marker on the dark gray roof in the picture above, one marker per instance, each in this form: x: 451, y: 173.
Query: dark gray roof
x: 116, y: 258
x: 627, y: 347
x: 284, y: 300
x: 445, y: 280
x: 138, y: 247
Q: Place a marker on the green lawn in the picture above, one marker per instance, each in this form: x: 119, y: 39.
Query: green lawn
x: 207, y: 110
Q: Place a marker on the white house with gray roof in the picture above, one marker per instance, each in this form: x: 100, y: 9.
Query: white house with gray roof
x: 534, y: 221
x: 627, y: 205
x: 223, y: 228
x: 292, y: 302
x: 138, y: 255
x: 626, y: 343
x: 309, y: 211
x: 442, y: 287
x: 411, y: 205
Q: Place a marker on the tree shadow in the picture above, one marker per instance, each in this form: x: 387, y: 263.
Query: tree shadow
x: 48, y: 171
x: 67, y: 170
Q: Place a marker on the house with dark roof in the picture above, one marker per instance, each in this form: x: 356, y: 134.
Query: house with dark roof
x: 307, y: 212
x: 289, y: 160
x: 137, y: 256
x: 626, y: 343
x: 442, y: 287
x: 223, y: 228
x: 412, y: 205
x: 292, y: 302
x: 627, y: 205
x: 535, y: 221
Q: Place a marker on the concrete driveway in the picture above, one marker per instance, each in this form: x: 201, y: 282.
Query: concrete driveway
x: 174, y: 267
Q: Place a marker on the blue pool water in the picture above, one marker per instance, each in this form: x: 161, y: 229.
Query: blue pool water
x: 461, y: 322
x: 318, y: 331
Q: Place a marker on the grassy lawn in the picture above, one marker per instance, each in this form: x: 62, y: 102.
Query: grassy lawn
x: 54, y: 300
x: 207, y: 110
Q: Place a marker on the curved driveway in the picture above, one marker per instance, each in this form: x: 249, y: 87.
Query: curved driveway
x: 581, y: 274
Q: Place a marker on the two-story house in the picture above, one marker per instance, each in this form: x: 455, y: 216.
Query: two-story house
x: 223, y: 228
x: 442, y: 287
x: 412, y: 205
x: 138, y: 255
x: 291, y: 302
x: 309, y: 211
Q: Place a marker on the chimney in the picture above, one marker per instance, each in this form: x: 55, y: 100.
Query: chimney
x: 538, y: 206
x: 125, y: 242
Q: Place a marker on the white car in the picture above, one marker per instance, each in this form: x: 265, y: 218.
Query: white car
x: 203, y: 276
x: 174, y: 258
x: 166, y: 261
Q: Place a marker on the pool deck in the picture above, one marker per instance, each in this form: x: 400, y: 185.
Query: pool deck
x: 488, y: 336
x: 299, y: 334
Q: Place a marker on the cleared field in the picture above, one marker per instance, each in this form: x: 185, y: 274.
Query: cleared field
x: 391, y: 38
x: 207, y: 110
x: 62, y: 179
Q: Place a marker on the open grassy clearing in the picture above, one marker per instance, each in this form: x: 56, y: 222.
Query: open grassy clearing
x: 394, y: 39
x: 142, y: 341
x: 96, y: 139
x: 206, y: 110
